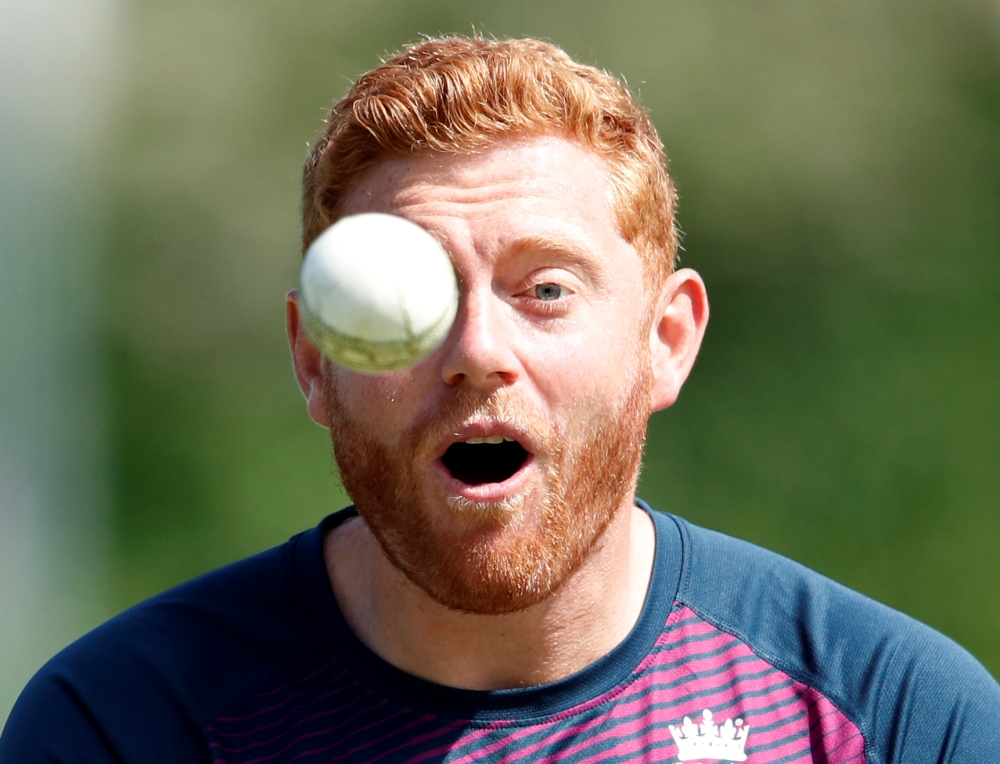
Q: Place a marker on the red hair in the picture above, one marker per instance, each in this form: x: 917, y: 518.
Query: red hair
x: 457, y: 94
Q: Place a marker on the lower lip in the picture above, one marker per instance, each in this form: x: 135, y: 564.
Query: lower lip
x: 488, y: 492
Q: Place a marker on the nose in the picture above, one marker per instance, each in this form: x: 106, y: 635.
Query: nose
x: 479, y: 351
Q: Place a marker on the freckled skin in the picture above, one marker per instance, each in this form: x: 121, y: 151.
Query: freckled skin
x: 524, y: 214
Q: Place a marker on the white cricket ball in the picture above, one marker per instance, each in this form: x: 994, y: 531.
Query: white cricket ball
x: 377, y: 292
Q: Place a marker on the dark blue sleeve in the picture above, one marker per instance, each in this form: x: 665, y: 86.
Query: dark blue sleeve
x: 47, y: 704
x: 916, y: 696
x: 140, y: 687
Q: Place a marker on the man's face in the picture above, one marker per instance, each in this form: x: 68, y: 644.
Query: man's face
x: 549, y: 356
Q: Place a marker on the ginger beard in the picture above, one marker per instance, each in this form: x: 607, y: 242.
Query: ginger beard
x: 504, y: 557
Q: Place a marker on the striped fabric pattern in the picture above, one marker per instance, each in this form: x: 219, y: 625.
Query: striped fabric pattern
x: 331, y: 716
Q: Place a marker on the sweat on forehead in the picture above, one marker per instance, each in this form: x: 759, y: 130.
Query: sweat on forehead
x: 456, y: 95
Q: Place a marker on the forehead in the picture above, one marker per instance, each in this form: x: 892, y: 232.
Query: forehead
x: 545, y: 185
x: 545, y: 166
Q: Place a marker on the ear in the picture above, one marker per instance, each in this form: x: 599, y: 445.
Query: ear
x: 675, y: 335
x: 308, y: 362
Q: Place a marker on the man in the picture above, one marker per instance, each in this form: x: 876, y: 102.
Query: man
x: 498, y: 593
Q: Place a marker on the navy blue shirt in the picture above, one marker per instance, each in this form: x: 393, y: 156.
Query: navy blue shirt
x: 739, y: 654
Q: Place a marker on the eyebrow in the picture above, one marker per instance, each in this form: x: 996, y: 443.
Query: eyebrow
x: 567, y: 248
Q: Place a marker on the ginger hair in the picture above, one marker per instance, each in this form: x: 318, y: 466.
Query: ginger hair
x: 457, y: 94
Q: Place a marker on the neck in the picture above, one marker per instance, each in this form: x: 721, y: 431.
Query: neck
x: 591, y: 613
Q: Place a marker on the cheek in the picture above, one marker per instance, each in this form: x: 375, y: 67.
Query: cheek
x: 593, y: 364
x: 380, y: 402
x: 578, y: 371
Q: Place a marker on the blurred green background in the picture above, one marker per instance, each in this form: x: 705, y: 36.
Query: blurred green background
x: 839, y: 171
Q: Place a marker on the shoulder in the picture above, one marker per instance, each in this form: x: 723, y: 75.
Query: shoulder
x: 146, y: 680
x: 915, y: 694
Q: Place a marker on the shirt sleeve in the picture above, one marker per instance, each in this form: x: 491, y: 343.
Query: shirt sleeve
x: 115, y: 695
x: 140, y: 688
x: 939, y: 705
x: 51, y: 724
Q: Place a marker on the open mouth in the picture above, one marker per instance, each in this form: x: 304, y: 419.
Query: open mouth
x: 492, y: 459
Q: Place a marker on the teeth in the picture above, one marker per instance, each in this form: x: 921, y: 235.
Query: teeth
x: 491, y: 439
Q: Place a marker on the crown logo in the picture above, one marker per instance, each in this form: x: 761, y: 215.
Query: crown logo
x: 710, y: 741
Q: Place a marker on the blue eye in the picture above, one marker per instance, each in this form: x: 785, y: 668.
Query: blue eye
x: 548, y: 292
